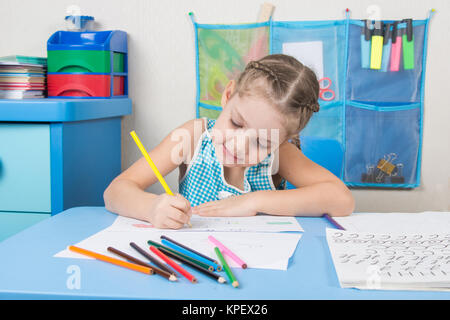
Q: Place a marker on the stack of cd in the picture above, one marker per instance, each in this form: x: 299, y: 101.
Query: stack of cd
x: 22, y: 77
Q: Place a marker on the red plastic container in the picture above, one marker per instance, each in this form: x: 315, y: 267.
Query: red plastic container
x: 118, y: 86
x: 84, y: 85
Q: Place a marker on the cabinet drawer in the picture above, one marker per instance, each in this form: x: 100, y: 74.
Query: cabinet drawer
x: 25, y: 167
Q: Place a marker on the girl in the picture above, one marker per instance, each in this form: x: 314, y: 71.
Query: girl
x: 238, y: 164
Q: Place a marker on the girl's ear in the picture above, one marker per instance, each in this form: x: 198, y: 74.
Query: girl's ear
x: 227, y: 93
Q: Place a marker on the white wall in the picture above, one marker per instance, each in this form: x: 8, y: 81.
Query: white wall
x: 162, y: 69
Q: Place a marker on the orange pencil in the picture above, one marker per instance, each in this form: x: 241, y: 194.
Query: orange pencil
x: 117, y: 262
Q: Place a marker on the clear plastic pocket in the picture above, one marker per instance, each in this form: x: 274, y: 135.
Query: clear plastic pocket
x: 382, y: 146
x: 223, y: 53
x: 319, y: 45
x: 327, y: 123
x: 397, y: 79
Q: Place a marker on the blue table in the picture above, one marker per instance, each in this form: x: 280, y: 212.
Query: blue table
x: 29, y: 271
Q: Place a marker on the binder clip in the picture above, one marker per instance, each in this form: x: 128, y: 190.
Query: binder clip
x: 384, y: 170
x: 369, y: 176
x: 398, y: 177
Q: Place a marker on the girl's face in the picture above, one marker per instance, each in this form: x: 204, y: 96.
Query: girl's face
x: 247, y: 130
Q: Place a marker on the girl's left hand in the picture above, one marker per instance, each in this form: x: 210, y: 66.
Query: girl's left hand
x: 234, y: 206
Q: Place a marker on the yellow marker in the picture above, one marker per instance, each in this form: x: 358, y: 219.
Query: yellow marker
x: 152, y: 165
x: 377, y: 46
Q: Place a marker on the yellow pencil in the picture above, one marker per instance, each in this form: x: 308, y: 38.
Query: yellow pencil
x: 152, y: 165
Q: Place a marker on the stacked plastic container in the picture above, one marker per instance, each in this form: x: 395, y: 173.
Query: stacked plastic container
x: 87, y: 64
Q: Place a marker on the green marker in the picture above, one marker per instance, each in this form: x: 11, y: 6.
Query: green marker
x: 408, y: 45
x: 227, y: 269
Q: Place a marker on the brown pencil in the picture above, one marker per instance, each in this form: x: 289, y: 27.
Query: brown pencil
x: 163, y: 273
x: 162, y: 267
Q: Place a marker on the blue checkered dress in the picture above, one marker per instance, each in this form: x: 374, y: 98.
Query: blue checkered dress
x: 204, y: 180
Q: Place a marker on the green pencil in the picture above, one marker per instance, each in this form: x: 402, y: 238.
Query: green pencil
x: 227, y: 269
x: 199, y: 263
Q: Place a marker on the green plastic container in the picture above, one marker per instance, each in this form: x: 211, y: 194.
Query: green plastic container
x: 118, y: 59
x: 84, y: 61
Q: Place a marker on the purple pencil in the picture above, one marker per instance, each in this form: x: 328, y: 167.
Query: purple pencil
x: 333, y: 222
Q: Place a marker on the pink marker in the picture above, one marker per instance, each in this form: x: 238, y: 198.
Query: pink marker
x: 227, y: 251
x: 396, y: 48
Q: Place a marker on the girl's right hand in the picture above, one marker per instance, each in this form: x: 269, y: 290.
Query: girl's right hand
x: 170, y: 212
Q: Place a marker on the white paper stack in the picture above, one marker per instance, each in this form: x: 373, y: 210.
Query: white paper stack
x: 22, y: 77
x: 391, y: 261
x: 261, y: 241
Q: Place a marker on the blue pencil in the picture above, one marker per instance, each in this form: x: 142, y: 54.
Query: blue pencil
x: 333, y: 222
x: 189, y: 253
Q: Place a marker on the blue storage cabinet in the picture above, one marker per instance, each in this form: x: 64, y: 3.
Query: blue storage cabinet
x: 57, y: 153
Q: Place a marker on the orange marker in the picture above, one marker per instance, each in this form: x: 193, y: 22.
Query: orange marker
x: 117, y: 262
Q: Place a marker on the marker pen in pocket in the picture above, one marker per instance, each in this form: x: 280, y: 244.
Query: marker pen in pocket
x: 387, y: 41
x: 377, y: 46
x: 408, y: 46
x: 366, y: 36
x: 396, y: 48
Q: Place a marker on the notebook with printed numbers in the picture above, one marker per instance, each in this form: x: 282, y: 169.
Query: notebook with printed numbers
x: 391, y: 261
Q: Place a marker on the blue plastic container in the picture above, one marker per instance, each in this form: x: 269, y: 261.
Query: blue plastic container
x: 75, y: 53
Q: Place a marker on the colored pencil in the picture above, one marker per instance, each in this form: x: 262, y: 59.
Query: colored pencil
x: 129, y: 258
x: 173, y: 264
x: 152, y: 164
x: 201, y: 264
x: 333, y: 222
x: 191, y: 254
x: 117, y: 262
x: 190, y: 249
x: 228, y: 252
x: 210, y: 274
x: 227, y: 268
x: 154, y: 261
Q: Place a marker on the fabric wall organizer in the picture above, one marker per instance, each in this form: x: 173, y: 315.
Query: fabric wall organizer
x: 376, y: 115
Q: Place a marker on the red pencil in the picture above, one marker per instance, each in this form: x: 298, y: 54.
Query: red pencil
x: 173, y: 264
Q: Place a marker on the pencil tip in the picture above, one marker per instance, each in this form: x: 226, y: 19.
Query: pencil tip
x: 222, y: 280
x: 235, y: 284
x: 244, y: 266
x: 173, y: 278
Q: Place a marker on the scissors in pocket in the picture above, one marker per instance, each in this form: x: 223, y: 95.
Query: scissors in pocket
x: 325, y: 92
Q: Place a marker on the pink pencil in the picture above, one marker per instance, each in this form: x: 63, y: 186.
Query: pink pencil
x: 227, y: 251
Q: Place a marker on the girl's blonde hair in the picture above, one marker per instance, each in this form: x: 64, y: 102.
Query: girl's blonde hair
x: 288, y: 84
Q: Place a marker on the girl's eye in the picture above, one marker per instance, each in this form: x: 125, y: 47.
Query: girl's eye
x: 262, y: 145
x: 235, y: 124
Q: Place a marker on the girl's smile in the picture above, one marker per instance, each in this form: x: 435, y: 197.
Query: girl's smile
x: 228, y: 155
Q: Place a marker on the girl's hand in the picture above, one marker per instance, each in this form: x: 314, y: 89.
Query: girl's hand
x: 234, y: 206
x: 170, y: 211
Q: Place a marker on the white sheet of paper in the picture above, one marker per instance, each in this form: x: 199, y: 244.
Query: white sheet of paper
x: 427, y: 222
x: 258, y: 250
x: 393, y: 261
x: 232, y: 224
x: 308, y: 53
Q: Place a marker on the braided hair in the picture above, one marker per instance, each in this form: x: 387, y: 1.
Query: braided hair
x: 288, y: 84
